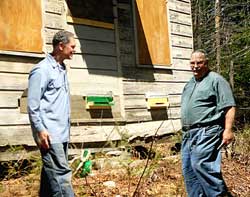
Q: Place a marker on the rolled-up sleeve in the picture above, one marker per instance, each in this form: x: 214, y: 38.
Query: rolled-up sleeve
x: 36, y: 88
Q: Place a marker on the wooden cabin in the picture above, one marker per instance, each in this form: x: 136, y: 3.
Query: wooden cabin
x: 136, y: 52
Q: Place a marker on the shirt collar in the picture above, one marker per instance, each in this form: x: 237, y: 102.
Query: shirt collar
x: 53, y: 62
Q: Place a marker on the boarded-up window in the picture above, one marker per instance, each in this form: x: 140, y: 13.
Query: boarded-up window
x: 91, y: 12
x: 152, y: 32
x: 20, y: 25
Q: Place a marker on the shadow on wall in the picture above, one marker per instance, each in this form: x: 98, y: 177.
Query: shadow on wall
x: 96, y: 39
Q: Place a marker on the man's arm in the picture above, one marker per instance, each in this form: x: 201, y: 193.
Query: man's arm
x: 228, y: 134
x: 37, y: 85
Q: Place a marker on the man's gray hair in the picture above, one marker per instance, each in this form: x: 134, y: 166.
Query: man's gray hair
x: 61, y: 36
x: 201, y: 51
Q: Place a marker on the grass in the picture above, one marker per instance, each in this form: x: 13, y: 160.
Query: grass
x: 240, y: 148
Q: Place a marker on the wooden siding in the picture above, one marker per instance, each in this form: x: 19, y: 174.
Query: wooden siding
x: 105, y: 61
x: 139, y: 80
x: 86, y: 32
x: 9, y: 81
x: 135, y: 101
x: 9, y: 99
x: 94, y: 66
x: 89, y: 61
x: 18, y: 65
x: 83, y: 135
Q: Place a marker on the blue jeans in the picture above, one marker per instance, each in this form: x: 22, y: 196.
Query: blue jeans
x: 56, y: 174
x: 201, y: 162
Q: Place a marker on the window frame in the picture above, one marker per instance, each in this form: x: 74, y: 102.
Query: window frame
x: 89, y: 22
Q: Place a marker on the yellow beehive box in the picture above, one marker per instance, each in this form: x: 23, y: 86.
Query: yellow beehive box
x: 156, y: 101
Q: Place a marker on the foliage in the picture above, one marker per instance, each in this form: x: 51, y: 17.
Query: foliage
x: 234, y: 37
x: 22, y: 166
x: 242, y: 144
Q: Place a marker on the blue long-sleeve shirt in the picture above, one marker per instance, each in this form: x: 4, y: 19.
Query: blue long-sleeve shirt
x: 49, y: 100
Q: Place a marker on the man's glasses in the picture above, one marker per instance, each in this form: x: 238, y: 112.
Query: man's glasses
x: 199, y: 63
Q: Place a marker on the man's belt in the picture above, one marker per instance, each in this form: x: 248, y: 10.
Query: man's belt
x: 202, y: 125
x: 194, y: 126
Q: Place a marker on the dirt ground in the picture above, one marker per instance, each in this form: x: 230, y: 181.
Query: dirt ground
x: 162, y: 178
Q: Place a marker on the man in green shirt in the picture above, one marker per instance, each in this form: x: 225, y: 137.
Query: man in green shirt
x: 207, y: 112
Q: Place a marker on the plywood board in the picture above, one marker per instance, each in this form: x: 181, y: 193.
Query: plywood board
x: 152, y: 32
x: 21, y: 25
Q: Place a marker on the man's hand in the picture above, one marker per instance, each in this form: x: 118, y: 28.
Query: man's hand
x: 227, y: 136
x: 44, y: 139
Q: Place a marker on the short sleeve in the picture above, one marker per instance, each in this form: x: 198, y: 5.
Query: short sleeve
x: 225, y: 96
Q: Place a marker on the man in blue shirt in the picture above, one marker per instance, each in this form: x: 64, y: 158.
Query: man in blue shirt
x: 207, y: 113
x: 49, y: 114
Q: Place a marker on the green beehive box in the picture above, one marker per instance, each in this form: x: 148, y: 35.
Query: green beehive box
x: 99, y: 102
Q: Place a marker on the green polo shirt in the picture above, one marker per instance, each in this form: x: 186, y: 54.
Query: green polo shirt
x: 204, y: 101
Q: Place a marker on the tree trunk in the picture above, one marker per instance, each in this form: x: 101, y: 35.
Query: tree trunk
x: 217, y: 34
x: 231, y: 74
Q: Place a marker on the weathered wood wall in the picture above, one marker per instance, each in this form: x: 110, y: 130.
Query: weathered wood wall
x: 105, y: 60
x: 137, y: 80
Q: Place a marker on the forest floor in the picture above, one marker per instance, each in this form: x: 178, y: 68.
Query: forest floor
x: 119, y: 177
